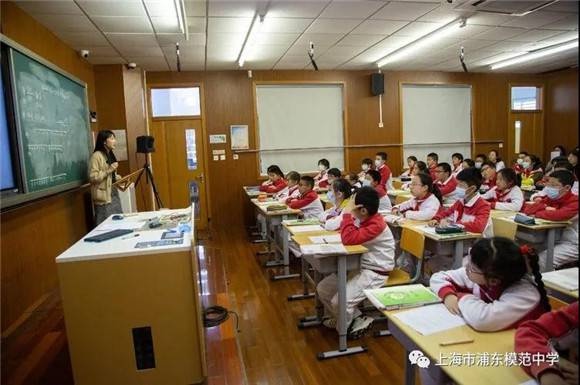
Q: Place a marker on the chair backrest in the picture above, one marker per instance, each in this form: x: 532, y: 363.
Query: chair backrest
x: 555, y: 303
x: 413, y: 242
x: 401, y: 198
x: 397, y: 184
x: 503, y: 228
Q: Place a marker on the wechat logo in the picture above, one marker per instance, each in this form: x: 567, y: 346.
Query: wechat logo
x: 416, y: 357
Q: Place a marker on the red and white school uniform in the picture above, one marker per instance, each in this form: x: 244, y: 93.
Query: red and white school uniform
x: 447, y: 188
x: 566, y: 209
x: 273, y: 187
x: 287, y: 192
x: 420, y: 209
x: 321, y: 179
x: 473, y: 216
x: 332, y: 217
x: 457, y: 170
x: 499, y: 165
x: 541, y: 193
x: 488, y: 184
x: 309, y: 204
x: 384, y: 200
x: 556, y: 329
x: 432, y: 172
x: 375, y: 264
x: 489, y: 309
x: 385, y: 172
x: 511, y: 199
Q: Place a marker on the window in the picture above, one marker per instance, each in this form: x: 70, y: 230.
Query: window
x: 526, y: 98
x: 171, y: 102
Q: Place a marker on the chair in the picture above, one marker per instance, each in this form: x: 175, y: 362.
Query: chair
x: 412, y: 243
x: 555, y: 303
x: 503, y: 228
x: 401, y: 198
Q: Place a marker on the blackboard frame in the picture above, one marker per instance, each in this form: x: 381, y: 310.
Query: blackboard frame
x: 23, y: 196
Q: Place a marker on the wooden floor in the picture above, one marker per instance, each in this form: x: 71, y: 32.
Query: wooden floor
x: 269, y: 348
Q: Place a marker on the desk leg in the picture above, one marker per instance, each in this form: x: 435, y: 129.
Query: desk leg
x: 272, y: 228
x: 285, y: 257
x: 303, y: 275
x: 550, y: 244
x: 458, y: 255
x: 343, y: 348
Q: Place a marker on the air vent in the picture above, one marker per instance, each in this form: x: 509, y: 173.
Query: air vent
x: 512, y: 8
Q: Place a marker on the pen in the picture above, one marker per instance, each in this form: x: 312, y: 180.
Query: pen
x: 456, y: 342
x: 130, y: 236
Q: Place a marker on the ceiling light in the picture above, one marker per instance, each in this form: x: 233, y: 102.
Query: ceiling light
x: 180, y: 10
x: 536, y: 54
x: 423, y: 41
x: 255, y: 28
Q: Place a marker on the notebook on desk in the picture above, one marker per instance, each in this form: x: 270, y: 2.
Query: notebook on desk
x: 398, y: 297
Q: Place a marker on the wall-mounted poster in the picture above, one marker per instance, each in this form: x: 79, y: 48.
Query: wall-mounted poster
x: 239, y: 137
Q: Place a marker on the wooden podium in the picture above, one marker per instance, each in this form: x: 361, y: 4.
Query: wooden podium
x: 133, y: 316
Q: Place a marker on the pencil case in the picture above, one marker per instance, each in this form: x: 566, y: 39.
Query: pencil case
x: 524, y: 219
x: 451, y: 229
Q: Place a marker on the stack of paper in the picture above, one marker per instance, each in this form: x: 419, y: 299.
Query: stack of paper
x: 335, y: 238
x: 567, y: 279
x: 332, y: 248
x: 430, y: 319
x: 305, y: 229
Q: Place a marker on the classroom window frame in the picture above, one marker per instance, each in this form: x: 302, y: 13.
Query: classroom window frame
x: 539, y: 97
x: 152, y: 87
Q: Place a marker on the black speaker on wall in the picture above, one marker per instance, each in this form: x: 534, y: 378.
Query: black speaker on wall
x: 145, y: 144
x: 377, y: 84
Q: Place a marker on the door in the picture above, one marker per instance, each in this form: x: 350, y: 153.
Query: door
x: 525, y: 133
x: 178, y: 165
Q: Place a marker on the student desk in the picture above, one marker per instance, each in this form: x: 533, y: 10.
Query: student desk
x: 561, y: 293
x: 393, y: 194
x: 499, y: 342
x: 273, y: 222
x: 325, y: 201
x: 536, y: 234
x: 252, y: 191
x: 327, y: 264
x: 112, y: 293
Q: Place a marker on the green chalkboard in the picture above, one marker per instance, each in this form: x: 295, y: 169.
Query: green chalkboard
x: 52, y: 125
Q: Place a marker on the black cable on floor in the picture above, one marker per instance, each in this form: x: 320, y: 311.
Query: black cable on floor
x: 216, y: 315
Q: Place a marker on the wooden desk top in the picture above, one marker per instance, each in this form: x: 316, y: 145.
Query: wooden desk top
x: 252, y: 193
x: 499, y: 342
x: 396, y: 192
x: 541, y: 224
x: 304, y: 239
x: 417, y: 225
x: 262, y: 206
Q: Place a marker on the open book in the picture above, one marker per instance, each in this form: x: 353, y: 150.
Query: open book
x: 398, y: 297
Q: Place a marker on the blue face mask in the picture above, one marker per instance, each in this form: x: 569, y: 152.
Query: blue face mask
x: 552, y: 192
x: 460, y: 192
x: 366, y: 182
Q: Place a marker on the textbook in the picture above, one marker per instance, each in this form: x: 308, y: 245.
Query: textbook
x: 298, y: 222
x: 566, y: 279
x: 398, y: 297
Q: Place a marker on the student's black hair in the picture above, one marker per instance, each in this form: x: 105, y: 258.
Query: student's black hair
x: 352, y: 176
x: 509, y: 175
x: 471, y: 176
x: 382, y: 154
x: 497, y: 157
x: 523, y: 153
x: 458, y: 156
x: 563, y: 165
x: 501, y: 258
x: 335, y: 172
x: 274, y: 169
x: 342, y: 185
x: 102, y: 137
x: 558, y: 159
x: 308, y: 179
x: 421, y: 166
x: 293, y: 175
x: 426, y: 180
x: 561, y: 148
x: 433, y: 156
x: 536, y: 162
x: 367, y: 161
x: 324, y: 162
x: 564, y: 176
x: 488, y: 163
x: 368, y: 197
x: 470, y: 162
x: 412, y: 157
x: 375, y: 175
x: 445, y: 167
x: 482, y: 156
x: 575, y: 152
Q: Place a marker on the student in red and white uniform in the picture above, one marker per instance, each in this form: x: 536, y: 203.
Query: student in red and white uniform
x: 559, y: 204
x: 532, y: 171
x: 506, y: 195
x: 494, y: 158
x: 457, y: 163
x: 383, y: 169
x: 352, y: 179
x: 411, y: 160
x: 321, y: 179
x: 332, y: 217
x: 564, y: 165
x: 426, y: 199
x: 366, y: 164
x: 333, y: 174
x: 432, y: 161
x: 480, y: 159
x: 518, y: 165
x: 373, y: 179
x: 552, y: 332
x: 419, y: 167
x: 470, y: 211
x: 307, y: 201
x: 445, y: 182
x: 275, y: 182
x: 361, y: 225
x: 489, y: 176
x: 291, y: 190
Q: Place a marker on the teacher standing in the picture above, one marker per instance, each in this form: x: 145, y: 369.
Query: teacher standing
x: 102, y: 174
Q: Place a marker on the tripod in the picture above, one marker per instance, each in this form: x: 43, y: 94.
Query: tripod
x: 149, y: 177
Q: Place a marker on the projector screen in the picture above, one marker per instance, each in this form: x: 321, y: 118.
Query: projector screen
x: 299, y: 124
x: 436, y: 118
x: 6, y: 171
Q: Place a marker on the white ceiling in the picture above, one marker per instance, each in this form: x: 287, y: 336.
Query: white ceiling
x: 347, y: 34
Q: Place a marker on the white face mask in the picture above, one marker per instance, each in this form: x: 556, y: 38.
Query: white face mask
x: 366, y: 182
x: 478, y: 164
x: 525, y: 164
x: 520, y: 161
x: 365, y: 167
x: 321, y: 167
x: 460, y: 192
x: 378, y: 162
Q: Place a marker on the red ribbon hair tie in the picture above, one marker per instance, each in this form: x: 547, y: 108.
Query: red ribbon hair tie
x: 525, y: 249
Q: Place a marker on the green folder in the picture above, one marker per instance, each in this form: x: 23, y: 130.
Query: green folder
x: 403, y: 296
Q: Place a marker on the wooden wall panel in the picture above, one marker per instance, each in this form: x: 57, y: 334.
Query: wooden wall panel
x: 34, y: 235
x: 561, y: 110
